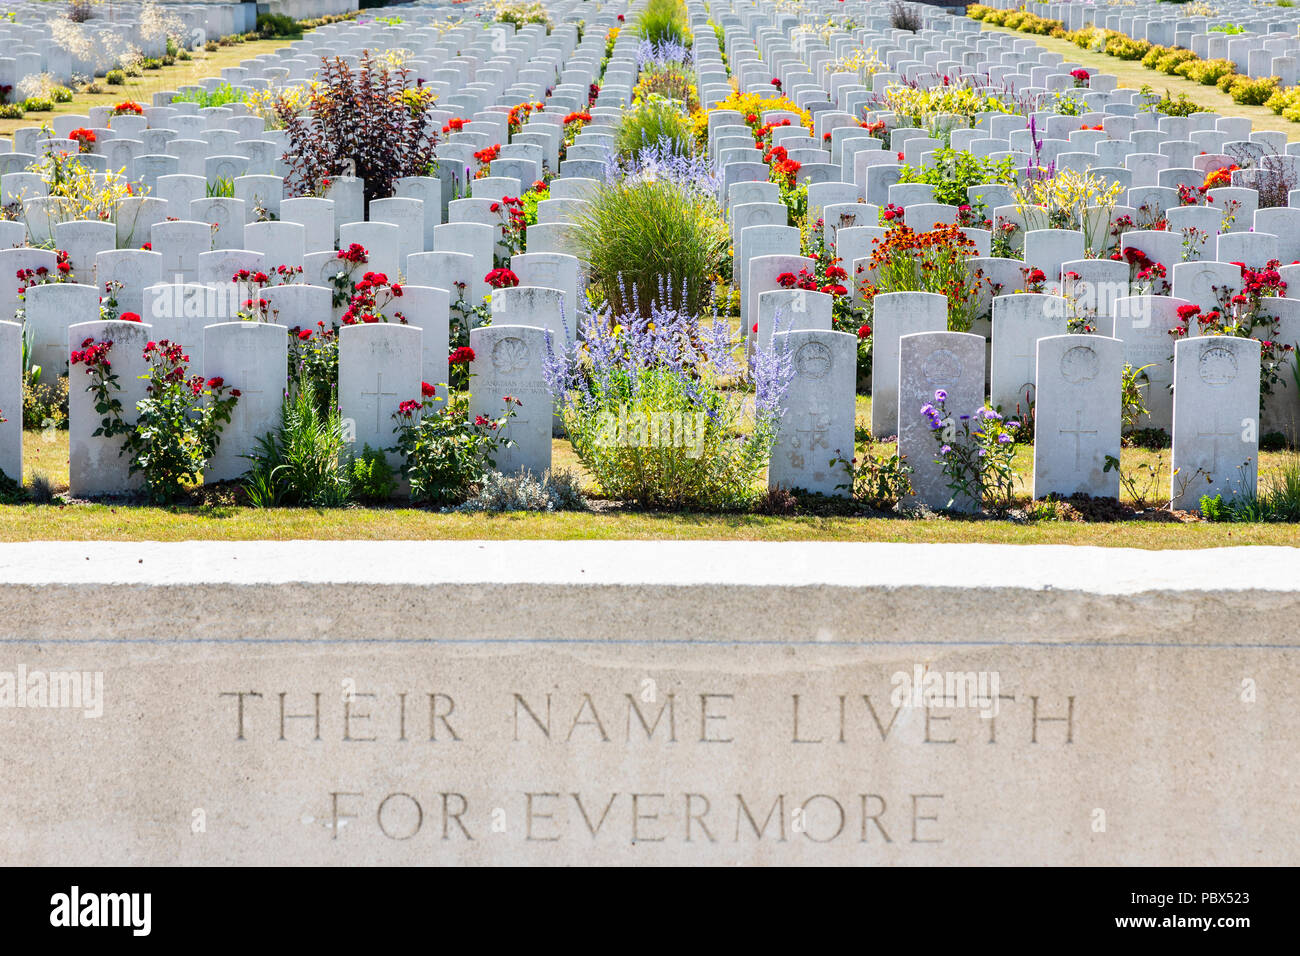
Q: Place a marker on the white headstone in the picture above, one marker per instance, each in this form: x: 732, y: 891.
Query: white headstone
x: 95, y: 465
x: 253, y: 358
x: 1019, y: 321
x: 1077, y: 415
x: 11, y: 401
x: 1216, y: 419
x: 379, y: 368
x: 895, y: 314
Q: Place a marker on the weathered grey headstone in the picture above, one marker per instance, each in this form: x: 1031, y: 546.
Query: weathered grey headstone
x: 508, y: 362
x: 928, y: 363
x: 817, y: 423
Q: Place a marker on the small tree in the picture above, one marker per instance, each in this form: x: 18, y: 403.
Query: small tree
x: 368, y: 122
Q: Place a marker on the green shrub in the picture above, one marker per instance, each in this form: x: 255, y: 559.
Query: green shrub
x: 652, y: 121
x: 277, y: 25
x: 1126, y: 48
x: 651, y: 417
x: 1153, y: 55
x: 1252, y: 92
x: 222, y: 95
x: 1170, y: 62
x: 1206, y: 72
x: 1286, y: 103
x: 151, y: 63
x: 1179, y: 106
x: 61, y: 94
x: 115, y: 78
x: 38, y: 104
x: 11, y: 111
x: 950, y: 171
x: 446, y: 454
x: 1276, y: 499
x: 372, y: 477
x: 646, y: 240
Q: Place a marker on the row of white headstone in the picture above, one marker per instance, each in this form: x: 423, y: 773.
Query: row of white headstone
x: 1204, y: 389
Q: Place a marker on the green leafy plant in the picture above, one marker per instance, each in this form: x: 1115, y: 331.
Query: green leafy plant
x: 976, y: 453
x: 1133, y: 385
x: 304, y: 461
x: 951, y: 171
x: 880, y: 481
x: 115, y: 78
x: 372, y: 477
x: 222, y: 95
x: 223, y: 187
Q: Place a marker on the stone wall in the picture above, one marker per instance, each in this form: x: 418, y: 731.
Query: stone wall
x: 542, y: 702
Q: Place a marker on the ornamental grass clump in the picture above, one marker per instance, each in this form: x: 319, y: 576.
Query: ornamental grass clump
x: 654, y: 232
x: 648, y: 407
x: 305, y: 461
x: 664, y: 21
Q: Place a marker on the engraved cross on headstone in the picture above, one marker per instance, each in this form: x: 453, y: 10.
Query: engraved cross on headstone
x: 1216, y: 435
x: 379, y: 394
x: 1077, y: 432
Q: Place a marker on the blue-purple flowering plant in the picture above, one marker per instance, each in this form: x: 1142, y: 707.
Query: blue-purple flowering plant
x: 977, y: 452
x: 651, y: 413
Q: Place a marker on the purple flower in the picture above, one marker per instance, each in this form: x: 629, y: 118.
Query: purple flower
x: 945, y: 449
x: 940, y: 396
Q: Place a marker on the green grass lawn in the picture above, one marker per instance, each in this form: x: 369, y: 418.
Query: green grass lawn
x: 47, y: 454
x: 1133, y: 75
x: 141, y: 88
